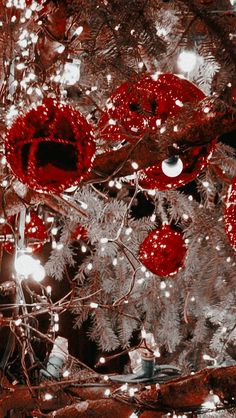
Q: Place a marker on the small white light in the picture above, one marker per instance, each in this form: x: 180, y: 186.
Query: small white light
x: 83, y: 248
x: 162, y: 285
x: 25, y: 265
x: 79, y: 30
x: 60, y: 49
x: 4, y: 183
x: 118, y: 185
x: 50, y: 219
x: 18, y: 322
x: 89, y: 266
x: 66, y: 373
x: 134, y: 165
x: 49, y: 290
x: 102, y: 360
x: 107, y: 392
x: 104, y: 240
x: 54, y: 231
x: 179, y: 103
x: 20, y: 66
x: 94, y: 305
x: 162, y: 130
x: 172, y: 167
x: 48, y: 396
x: 187, y: 61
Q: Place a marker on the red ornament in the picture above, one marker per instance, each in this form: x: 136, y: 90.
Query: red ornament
x: 141, y: 107
x: 230, y: 213
x: 35, y: 233
x: 79, y: 233
x: 51, y: 147
x: 163, y: 251
x: 136, y: 108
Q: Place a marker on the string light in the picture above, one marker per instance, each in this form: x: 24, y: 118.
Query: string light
x: 187, y: 61
x: 107, y: 392
x: 48, y: 396
x: 66, y: 373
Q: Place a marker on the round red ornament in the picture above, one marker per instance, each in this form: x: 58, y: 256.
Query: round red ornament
x: 230, y: 213
x: 35, y: 233
x: 142, y: 107
x: 139, y: 107
x: 51, y: 147
x: 163, y: 251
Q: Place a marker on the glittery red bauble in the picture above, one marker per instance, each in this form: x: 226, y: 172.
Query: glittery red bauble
x: 142, y: 107
x: 51, y: 147
x: 163, y: 251
x: 136, y: 108
x: 230, y: 213
x: 35, y: 233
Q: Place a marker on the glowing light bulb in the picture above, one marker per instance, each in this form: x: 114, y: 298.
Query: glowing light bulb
x: 172, y: 167
x: 48, y: 396
x: 71, y: 72
x: 25, y: 265
x: 186, y: 61
x: 39, y: 273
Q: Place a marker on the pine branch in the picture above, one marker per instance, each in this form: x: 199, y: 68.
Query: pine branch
x: 185, y: 394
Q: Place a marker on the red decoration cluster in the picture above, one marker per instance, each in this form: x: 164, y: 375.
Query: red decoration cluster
x: 51, y: 147
x: 230, y: 213
x: 142, y: 107
x: 163, y: 251
x: 35, y: 233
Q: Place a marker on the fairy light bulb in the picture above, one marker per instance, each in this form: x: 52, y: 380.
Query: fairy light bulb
x: 25, y: 265
x: 172, y: 167
x: 48, y: 396
x: 187, y: 61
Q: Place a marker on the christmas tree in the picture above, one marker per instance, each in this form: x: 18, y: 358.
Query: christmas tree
x: 118, y: 219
